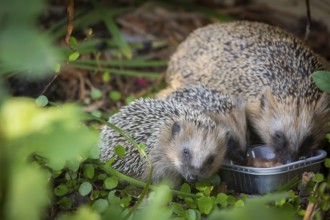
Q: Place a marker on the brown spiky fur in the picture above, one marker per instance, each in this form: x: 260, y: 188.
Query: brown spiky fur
x: 168, y: 128
x: 270, y: 68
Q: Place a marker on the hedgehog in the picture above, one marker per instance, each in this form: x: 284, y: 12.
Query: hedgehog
x: 222, y: 107
x: 182, y: 143
x: 270, y: 69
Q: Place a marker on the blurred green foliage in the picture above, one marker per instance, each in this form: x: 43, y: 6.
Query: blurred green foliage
x: 32, y: 137
x: 23, y: 47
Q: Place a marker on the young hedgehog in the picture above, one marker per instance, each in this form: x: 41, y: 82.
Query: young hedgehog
x: 222, y: 107
x: 271, y: 69
x: 180, y: 141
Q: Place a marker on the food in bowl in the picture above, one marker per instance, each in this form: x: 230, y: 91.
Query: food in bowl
x: 262, y: 157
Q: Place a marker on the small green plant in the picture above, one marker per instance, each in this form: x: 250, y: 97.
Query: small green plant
x: 322, y: 80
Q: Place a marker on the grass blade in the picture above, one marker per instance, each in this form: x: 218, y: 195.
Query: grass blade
x: 124, y: 63
x: 113, y: 29
x: 132, y: 73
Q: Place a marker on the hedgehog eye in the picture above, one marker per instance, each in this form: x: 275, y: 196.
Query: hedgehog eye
x: 279, y: 139
x: 186, y: 152
x: 278, y: 135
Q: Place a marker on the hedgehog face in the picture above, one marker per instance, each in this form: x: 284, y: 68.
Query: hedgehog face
x: 291, y: 126
x: 196, y: 152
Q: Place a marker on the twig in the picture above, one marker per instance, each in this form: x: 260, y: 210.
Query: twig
x: 69, y: 27
x: 311, y: 206
x: 309, y: 20
x: 48, y: 84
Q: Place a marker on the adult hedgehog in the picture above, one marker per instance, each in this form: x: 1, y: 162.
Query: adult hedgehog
x: 181, y: 143
x: 271, y: 69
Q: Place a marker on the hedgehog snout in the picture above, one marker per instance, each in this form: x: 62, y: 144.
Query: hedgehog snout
x: 191, y: 178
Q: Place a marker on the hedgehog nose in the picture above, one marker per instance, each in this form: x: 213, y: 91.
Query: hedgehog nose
x: 192, y: 178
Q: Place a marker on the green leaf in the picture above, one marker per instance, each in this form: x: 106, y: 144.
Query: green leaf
x: 74, y: 56
x: 115, y: 95
x: 102, y: 176
x: 178, y: 209
x: 239, y: 203
x: 73, y: 41
x: 65, y: 202
x: 327, y: 163
x: 205, y: 205
x: 302, y: 212
x: 129, y: 99
x: 96, y: 94
x: 279, y: 203
x: 94, y: 153
x: 61, y: 190
x: 110, y: 182
x: 318, y: 177
x: 312, y: 199
x: 125, y: 202
x: 73, y: 165
x: 106, y: 76
x: 231, y: 200
x: 120, y: 151
x: 89, y: 32
x: 191, y: 214
x: 95, y: 195
x: 190, y: 202
x: 112, y: 198
x: 70, y: 175
x: 57, y: 68
x: 89, y: 171
x: 322, y: 188
x: 222, y: 199
x: 204, y: 186
x: 142, y: 146
x: 42, y: 101
x: 185, y: 188
x: 215, y: 180
x: 325, y: 205
x: 85, y: 188
x: 100, y: 205
x: 322, y: 80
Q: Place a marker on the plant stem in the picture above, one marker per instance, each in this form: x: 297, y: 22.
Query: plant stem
x: 117, y: 71
x: 113, y: 172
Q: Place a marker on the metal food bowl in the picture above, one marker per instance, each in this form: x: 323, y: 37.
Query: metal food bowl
x: 255, y: 180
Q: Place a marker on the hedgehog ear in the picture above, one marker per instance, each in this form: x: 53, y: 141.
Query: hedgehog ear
x: 267, y: 99
x: 176, y: 128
